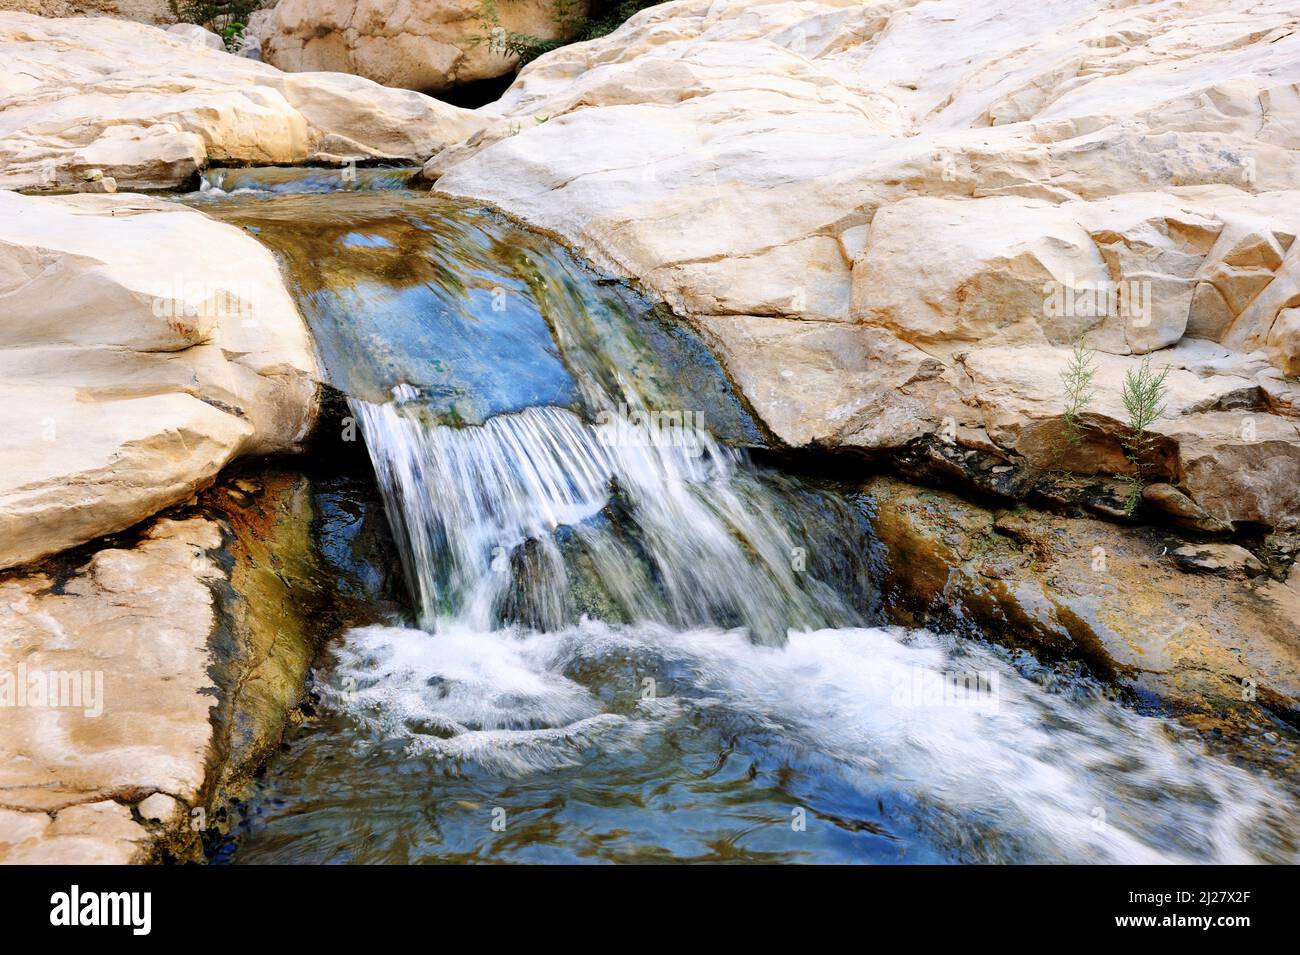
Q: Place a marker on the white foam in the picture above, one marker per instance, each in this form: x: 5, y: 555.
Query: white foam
x: 1067, y: 779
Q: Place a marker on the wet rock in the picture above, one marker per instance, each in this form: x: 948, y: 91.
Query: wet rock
x: 1079, y: 588
x: 268, y: 631
x: 1228, y: 560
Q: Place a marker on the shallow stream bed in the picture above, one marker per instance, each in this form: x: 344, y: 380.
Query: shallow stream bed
x: 625, y: 639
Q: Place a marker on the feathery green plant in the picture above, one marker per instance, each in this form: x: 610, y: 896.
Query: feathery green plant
x: 1077, y: 380
x: 1143, y: 398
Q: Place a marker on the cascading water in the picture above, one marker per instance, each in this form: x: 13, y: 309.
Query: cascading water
x: 633, y: 642
x: 668, y: 525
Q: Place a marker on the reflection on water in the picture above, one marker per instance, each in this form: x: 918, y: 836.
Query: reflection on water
x: 478, y: 314
x: 285, y: 180
x: 647, y: 743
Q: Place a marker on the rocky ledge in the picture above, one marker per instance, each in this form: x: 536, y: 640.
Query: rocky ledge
x: 893, y: 219
x: 150, y: 108
x: 143, y: 347
x: 145, y: 677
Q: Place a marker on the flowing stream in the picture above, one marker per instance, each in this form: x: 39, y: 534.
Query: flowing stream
x: 627, y: 640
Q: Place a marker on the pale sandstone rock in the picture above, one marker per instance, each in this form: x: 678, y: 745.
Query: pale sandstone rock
x: 1182, y: 510
x: 1226, y: 559
x: 416, y: 44
x: 939, y: 171
x: 137, y: 621
x: 160, y: 808
x: 144, y: 11
x: 195, y: 35
x: 98, y: 833
x: 197, y: 635
x: 142, y: 347
x: 150, y: 108
x: 818, y: 382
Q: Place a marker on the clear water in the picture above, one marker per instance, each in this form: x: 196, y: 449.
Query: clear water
x: 630, y: 643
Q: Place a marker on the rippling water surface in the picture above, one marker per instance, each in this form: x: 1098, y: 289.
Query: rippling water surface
x: 629, y: 642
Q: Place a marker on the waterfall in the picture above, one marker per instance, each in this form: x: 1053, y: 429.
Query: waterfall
x: 635, y: 640
x: 513, y: 521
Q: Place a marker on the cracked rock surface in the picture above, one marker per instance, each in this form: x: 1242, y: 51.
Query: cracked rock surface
x: 143, y: 347
x: 892, y: 218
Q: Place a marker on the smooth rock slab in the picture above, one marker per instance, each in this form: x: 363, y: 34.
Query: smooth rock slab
x: 143, y: 346
x: 151, y: 108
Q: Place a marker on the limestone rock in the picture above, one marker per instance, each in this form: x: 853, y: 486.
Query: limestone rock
x: 130, y: 632
x: 160, y: 808
x: 416, y: 44
x: 142, y: 347
x: 150, y: 108
x: 167, y: 668
x: 195, y: 35
x: 979, y: 184
x: 143, y: 11
x: 1228, y: 560
x: 1080, y: 588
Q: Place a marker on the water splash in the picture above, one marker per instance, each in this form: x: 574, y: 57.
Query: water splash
x: 665, y: 523
x: 1022, y: 774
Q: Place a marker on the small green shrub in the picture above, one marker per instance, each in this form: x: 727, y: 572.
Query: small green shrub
x: 1143, y: 397
x: 1076, y: 378
x: 227, y: 18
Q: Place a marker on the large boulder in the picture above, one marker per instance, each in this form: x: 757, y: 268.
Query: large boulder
x: 142, y: 347
x: 121, y: 714
x: 416, y: 44
x: 150, y: 108
x: 892, y: 220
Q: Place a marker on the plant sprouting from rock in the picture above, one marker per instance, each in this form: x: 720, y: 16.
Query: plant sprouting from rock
x: 1143, y: 398
x: 1076, y: 378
